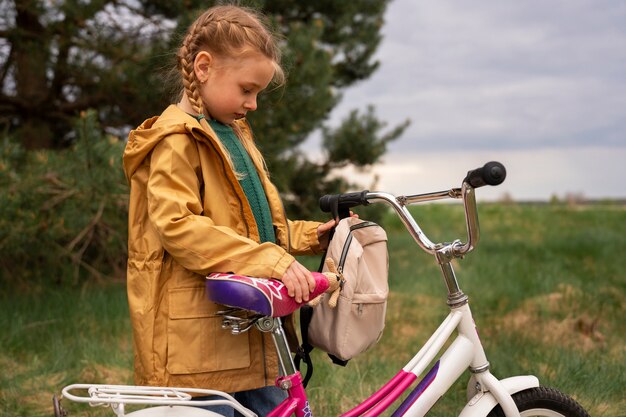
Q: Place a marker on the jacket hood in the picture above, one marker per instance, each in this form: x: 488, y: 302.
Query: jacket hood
x: 173, y: 120
x: 144, y: 138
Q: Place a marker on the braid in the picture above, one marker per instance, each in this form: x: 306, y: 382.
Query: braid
x: 186, y: 56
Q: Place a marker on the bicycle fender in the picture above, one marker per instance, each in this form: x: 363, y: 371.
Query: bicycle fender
x: 482, y: 403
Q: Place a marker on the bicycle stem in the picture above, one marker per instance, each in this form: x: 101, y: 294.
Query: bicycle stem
x: 456, y: 249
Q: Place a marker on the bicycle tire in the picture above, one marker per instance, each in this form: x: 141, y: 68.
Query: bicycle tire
x: 543, y: 402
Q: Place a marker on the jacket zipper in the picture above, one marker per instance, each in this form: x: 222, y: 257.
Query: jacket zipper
x: 346, y: 245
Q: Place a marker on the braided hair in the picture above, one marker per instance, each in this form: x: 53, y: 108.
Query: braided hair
x: 225, y: 31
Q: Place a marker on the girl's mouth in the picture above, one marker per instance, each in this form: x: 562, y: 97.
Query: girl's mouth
x: 239, y: 115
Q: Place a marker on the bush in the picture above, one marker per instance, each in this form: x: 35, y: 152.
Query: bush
x: 63, y: 214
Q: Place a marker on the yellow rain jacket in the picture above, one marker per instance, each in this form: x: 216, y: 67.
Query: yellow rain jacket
x: 189, y: 216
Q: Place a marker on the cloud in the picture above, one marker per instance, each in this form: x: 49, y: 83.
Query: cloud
x: 501, y: 74
x: 539, y: 84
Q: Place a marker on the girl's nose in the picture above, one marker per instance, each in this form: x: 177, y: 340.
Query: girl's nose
x: 250, y: 104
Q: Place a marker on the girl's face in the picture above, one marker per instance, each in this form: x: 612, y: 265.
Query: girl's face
x: 231, y: 86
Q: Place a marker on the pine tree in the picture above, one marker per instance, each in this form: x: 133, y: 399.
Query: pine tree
x: 63, y: 57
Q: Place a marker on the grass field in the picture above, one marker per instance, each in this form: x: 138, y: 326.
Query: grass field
x: 545, y: 283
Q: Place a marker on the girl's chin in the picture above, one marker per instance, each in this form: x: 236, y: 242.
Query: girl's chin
x: 224, y: 121
x: 229, y: 120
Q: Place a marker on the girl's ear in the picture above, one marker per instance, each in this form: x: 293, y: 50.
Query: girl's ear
x: 202, y: 65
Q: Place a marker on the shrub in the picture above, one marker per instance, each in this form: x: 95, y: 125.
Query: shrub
x: 63, y: 214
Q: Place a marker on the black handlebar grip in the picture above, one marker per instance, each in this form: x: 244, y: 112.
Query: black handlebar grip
x: 492, y: 173
x: 339, y: 204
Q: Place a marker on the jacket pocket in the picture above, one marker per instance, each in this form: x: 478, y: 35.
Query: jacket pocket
x: 196, y: 342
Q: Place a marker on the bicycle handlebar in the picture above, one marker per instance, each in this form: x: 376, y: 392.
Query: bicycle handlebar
x: 339, y: 204
x: 492, y: 173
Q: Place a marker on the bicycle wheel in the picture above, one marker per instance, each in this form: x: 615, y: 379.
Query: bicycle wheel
x: 543, y: 402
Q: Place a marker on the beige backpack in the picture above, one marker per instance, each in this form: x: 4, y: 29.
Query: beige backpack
x: 359, y: 251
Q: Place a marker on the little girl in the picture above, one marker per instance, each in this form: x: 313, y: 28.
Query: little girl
x: 201, y: 201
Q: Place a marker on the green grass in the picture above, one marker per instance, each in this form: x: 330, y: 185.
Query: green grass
x: 546, y: 285
x: 51, y: 338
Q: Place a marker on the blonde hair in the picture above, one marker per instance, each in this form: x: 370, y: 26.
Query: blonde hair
x: 227, y: 31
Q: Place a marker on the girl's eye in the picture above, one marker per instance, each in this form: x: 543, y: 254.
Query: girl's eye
x: 246, y: 91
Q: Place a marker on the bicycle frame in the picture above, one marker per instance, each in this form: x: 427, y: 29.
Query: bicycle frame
x: 465, y: 352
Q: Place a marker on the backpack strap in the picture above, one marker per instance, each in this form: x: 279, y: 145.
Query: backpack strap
x: 303, y: 353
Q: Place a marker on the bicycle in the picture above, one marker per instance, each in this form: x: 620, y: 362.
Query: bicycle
x: 267, y: 300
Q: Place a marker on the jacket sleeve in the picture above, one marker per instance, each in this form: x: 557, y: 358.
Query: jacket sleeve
x: 299, y: 237
x: 192, y: 239
x: 303, y: 237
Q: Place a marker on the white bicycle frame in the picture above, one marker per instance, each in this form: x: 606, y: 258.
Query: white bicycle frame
x: 466, y: 351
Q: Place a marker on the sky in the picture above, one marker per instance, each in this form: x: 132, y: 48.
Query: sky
x: 537, y: 85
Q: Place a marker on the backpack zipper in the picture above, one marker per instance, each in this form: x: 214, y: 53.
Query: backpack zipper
x: 346, y: 245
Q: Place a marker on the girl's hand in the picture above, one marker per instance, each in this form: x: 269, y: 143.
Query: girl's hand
x: 323, y: 233
x: 299, y: 282
x: 323, y: 230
